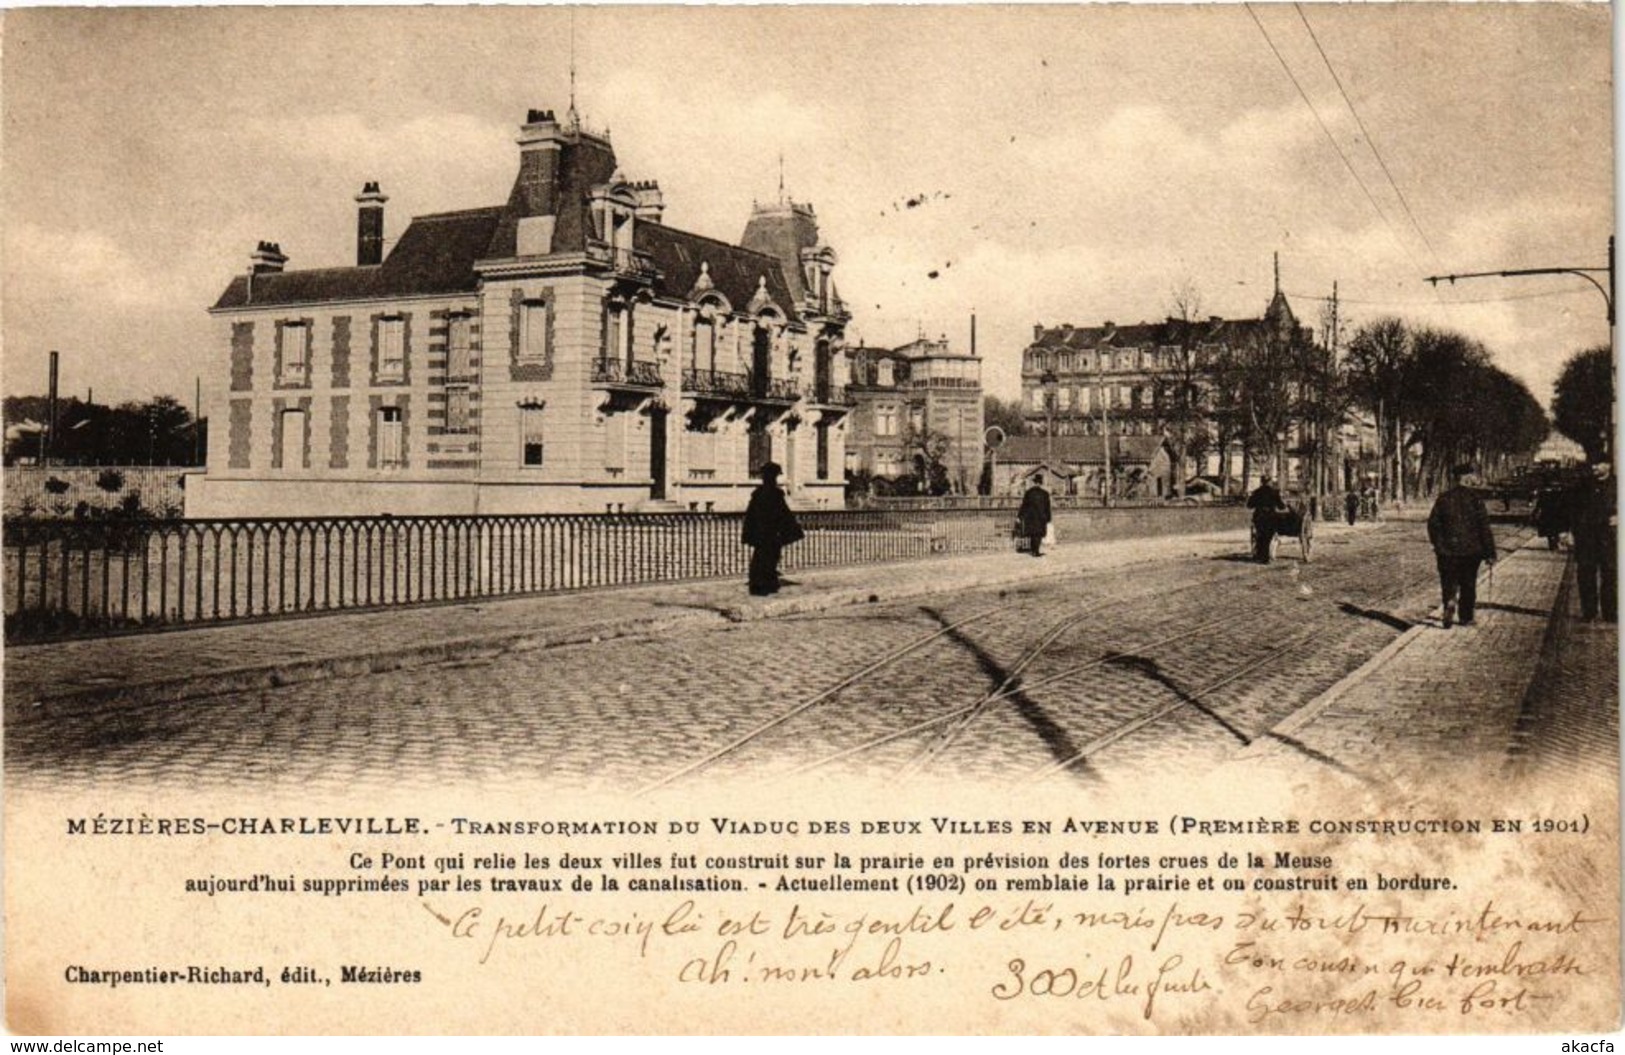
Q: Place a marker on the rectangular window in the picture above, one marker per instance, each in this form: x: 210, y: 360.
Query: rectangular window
x: 702, y: 451
x: 533, y: 332
x: 530, y: 436
x: 1063, y: 399
x: 615, y: 442
x: 391, y: 438
x: 457, y: 342
x: 391, y: 349
x: 295, y: 353
x: 885, y: 421
x: 457, y: 408
x: 760, y: 450
x: 293, y: 439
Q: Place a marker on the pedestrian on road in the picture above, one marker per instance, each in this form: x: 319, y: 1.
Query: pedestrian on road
x: 1551, y: 515
x: 1351, y: 506
x: 1459, y: 529
x: 1265, y: 502
x: 1595, y: 522
x: 769, y: 527
x: 1033, y: 519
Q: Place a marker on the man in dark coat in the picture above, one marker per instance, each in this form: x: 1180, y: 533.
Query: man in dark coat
x: 1594, y: 520
x: 769, y: 527
x: 1033, y: 518
x: 1351, y: 506
x: 1265, y: 502
x: 1551, y: 515
x: 1459, y: 529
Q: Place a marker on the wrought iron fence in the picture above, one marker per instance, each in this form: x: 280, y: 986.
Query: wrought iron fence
x: 613, y: 371
x: 716, y: 383
x: 80, y: 578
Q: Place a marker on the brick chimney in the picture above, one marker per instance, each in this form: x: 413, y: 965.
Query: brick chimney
x: 369, y: 226
x: 651, y: 203
x: 267, y: 259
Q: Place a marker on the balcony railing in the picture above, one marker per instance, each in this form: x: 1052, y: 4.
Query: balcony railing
x: 635, y: 375
x: 830, y: 394
x: 777, y: 389
x: 716, y: 383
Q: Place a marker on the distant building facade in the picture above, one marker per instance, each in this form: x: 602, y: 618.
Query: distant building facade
x: 566, y: 351
x: 1141, y: 466
x: 908, y: 401
x: 1121, y: 379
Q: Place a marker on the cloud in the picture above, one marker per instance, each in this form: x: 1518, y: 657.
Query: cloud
x: 42, y: 263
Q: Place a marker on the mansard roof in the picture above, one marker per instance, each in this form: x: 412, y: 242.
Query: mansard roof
x: 1169, y: 333
x: 735, y: 272
x: 434, y: 255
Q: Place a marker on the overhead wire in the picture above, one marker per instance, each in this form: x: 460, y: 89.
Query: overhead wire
x: 1383, y: 215
x: 1568, y: 291
x: 1370, y: 141
x: 1371, y: 144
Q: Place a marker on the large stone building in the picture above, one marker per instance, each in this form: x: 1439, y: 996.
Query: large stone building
x: 564, y: 351
x: 1121, y: 379
x: 911, y: 403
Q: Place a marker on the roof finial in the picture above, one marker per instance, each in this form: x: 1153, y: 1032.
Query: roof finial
x: 781, y: 177
x: 1277, y: 273
x: 575, y: 118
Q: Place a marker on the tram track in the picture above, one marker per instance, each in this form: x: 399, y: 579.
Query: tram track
x: 1015, y: 605
x: 1016, y: 683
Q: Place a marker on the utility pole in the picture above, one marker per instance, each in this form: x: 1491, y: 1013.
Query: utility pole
x: 1105, y: 430
x: 1608, y: 301
x: 48, y: 437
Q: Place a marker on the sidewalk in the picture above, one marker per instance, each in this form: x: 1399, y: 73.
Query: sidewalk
x: 1466, y: 698
x: 66, y: 677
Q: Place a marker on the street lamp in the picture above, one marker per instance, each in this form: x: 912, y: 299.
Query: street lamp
x: 1049, y: 382
x: 1582, y: 272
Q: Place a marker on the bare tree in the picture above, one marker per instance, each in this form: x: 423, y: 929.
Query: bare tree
x: 1180, y: 381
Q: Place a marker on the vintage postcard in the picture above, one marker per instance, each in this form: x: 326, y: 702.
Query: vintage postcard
x: 810, y: 520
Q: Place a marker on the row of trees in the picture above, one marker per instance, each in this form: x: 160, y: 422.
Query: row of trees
x: 160, y: 431
x: 1583, y: 404
x: 1436, y: 393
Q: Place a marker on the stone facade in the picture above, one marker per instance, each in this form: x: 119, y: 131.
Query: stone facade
x: 900, y: 394
x: 565, y: 352
x: 1119, y: 380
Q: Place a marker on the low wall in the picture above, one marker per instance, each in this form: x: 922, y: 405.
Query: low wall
x: 159, y: 486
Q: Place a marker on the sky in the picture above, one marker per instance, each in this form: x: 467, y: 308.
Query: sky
x: 1030, y: 165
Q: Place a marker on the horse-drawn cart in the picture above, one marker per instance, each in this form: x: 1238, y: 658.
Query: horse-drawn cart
x: 1295, y: 521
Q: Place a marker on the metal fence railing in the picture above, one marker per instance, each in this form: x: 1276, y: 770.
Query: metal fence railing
x: 67, y: 578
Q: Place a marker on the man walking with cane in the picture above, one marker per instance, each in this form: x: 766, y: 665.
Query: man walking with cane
x: 1459, y: 529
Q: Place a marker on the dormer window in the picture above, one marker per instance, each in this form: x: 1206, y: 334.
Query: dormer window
x: 885, y: 371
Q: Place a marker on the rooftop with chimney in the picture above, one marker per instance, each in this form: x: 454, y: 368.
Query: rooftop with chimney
x: 563, y: 168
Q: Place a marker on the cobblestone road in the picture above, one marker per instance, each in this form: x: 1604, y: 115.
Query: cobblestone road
x: 1167, y: 667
